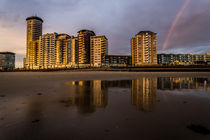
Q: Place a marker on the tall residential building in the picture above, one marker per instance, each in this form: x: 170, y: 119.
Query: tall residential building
x: 98, y: 50
x: 7, y: 61
x: 74, y: 51
x: 34, y: 31
x: 47, y: 50
x: 62, y: 50
x: 66, y: 51
x: 144, y: 48
x: 84, y: 47
x: 57, y: 51
x: 33, y: 55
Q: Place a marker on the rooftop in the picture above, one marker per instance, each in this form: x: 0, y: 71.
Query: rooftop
x: 143, y: 32
x: 34, y: 17
x: 85, y: 30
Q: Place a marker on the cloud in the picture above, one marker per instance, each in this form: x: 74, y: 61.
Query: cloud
x: 195, y: 50
x: 119, y: 20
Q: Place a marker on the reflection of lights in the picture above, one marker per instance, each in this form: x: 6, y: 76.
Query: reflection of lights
x: 176, y: 80
x: 94, y: 94
x: 81, y: 83
x: 205, y: 82
x: 143, y: 93
x: 73, y: 83
x: 172, y: 83
x: 87, y: 95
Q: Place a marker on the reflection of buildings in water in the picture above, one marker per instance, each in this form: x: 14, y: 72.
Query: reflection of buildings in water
x: 207, y: 84
x: 88, y: 95
x: 144, y: 93
x: 100, y: 97
x: 119, y: 84
x: 172, y: 83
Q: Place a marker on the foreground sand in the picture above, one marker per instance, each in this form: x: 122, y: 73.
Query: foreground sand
x: 6, y: 78
x: 41, y: 105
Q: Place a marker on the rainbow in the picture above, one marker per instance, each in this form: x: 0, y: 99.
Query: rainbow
x: 176, y: 19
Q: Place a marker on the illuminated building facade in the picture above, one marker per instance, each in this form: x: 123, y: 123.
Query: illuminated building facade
x: 98, y: 50
x: 206, y: 58
x: 50, y: 50
x: 34, y: 31
x: 7, y: 61
x: 74, y: 51
x: 66, y: 51
x: 144, y: 48
x: 56, y: 51
x: 62, y: 50
x: 47, y: 49
x: 84, y: 47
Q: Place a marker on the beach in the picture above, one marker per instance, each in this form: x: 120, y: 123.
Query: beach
x: 104, y: 105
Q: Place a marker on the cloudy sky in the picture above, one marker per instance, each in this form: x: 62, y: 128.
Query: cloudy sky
x: 184, y: 25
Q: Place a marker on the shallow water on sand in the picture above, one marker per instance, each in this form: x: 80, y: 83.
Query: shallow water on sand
x: 143, y: 108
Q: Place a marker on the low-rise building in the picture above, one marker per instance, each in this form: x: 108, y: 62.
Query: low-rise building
x: 118, y: 60
x: 7, y: 61
x: 206, y: 58
x: 183, y: 59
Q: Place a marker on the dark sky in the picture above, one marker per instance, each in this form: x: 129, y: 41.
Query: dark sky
x: 119, y: 20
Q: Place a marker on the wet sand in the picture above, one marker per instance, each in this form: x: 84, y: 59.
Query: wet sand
x: 42, y: 105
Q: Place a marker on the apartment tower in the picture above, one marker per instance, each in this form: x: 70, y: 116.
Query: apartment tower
x: 98, y: 51
x: 34, y: 31
x: 84, y: 47
x: 66, y: 50
x: 47, y: 50
x: 144, y: 48
x: 74, y: 51
x: 62, y: 50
